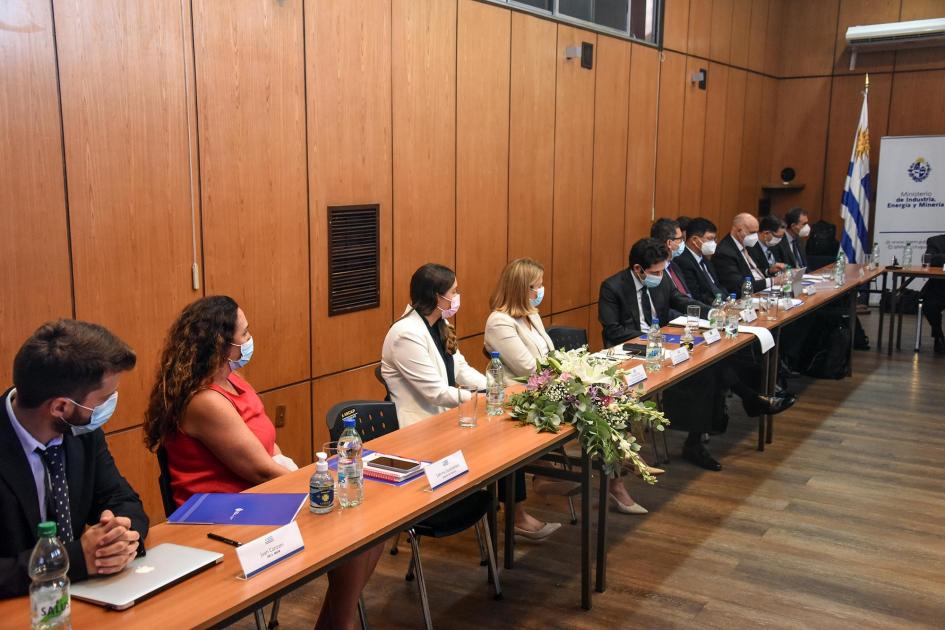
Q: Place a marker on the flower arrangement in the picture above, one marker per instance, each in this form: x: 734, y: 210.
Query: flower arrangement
x: 590, y: 393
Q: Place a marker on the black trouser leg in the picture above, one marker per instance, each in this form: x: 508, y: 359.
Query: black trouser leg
x: 519, y: 487
x: 932, y: 308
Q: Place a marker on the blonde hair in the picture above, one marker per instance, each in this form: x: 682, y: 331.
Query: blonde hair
x: 511, y: 295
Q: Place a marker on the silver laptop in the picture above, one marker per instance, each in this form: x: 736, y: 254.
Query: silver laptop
x: 162, y: 567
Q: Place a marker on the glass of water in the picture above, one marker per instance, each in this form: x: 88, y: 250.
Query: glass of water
x: 731, y: 325
x: 926, y: 260
x: 773, y: 300
x: 468, y: 405
x: 692, y: 317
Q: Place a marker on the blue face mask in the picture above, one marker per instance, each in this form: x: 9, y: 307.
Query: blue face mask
x: 535, y: 301
x: 246, y: 353
x: 679, y: 250
x: 100, y: 415
x: 652, y: 282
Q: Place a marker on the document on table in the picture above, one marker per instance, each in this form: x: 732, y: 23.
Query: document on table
x: 682, y: 320
x: 765, y: 338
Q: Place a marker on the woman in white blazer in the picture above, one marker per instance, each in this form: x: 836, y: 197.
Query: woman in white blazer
x: 515, y: 330
x: 420, y: 361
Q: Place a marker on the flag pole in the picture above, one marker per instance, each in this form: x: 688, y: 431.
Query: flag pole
x: 867, y: 86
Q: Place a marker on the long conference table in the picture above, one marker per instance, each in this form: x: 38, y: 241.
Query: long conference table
x: 493, y: 450
x: 907, y: 274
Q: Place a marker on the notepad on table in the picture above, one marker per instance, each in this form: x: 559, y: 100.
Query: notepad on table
x: 243, y: 508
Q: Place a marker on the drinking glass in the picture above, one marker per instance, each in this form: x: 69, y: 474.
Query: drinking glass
x: 773, y: 300
x: 692, y: 317
x: 468, y: 405
x: 926, y: 260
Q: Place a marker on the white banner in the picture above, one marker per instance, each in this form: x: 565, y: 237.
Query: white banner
x: 910, y: 196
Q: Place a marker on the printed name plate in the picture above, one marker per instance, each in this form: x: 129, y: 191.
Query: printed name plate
x: 260, y: 554
x: 679, y: 355
x: 449, y: 467
x: 711, y: 336
x: 635, y: 375
x: 749, y: 315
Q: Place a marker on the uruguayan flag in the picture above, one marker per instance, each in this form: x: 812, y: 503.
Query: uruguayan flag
x: 856, y: 195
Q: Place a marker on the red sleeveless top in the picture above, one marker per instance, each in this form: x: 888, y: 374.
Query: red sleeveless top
x: 194, y: 468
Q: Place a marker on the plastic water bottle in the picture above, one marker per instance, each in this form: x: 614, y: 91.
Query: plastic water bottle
x: 717, y: 314
x: 49, y: 592
x: 350, y: 471
x: 907, y: 255
x: 321, y: 487
x: 748, y: 288
x: 787, y: 289
x: 495, y: 385
x: 874, y: 258
x: 731, y: 316
x: 654, y: 347
x: 840, y: 269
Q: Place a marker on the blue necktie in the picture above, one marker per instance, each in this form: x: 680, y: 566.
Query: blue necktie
x: 57, y: 491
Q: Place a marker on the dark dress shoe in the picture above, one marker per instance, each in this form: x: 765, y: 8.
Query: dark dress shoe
x: 699, y: 456
x: 764, y: 405
x: 939, y: 345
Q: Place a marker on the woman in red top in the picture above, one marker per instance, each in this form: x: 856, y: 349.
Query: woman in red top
x: 216, y: 433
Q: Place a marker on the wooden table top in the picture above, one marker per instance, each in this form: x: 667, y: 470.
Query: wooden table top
x: 494, y: 447
x: 926, y: 272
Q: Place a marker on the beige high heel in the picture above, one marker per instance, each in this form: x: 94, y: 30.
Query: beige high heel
x: 623, y: 508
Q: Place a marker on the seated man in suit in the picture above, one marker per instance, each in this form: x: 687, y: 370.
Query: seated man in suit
x: 770, y: 237
x: 695, y: 262
x: 933, y: 293
x: 792, y: 251
x: 54, y: 461
x: 668, y: 232
x: 737, y: 258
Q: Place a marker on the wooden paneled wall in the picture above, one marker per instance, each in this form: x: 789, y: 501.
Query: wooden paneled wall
x: 139, y: 138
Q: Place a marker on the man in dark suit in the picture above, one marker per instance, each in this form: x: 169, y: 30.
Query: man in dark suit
x: 54, y: 461
x: 933, y: 293
x: 737, y: 258
x: 792, y: 250
x: 669, y: 232
x: 770, y: 237
x: 695, y: 262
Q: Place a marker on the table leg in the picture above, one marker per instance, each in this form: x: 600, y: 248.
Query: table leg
x: 879, y: 335
x: 774, y: 364
x: 585, y: 530
x: 892, y: 316
x: 766, y: 370
x: 602, y: 534
x: 509, y: 520
x: 494, y: 516
x: 903, y: 282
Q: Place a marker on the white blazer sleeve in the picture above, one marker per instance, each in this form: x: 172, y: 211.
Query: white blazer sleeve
x: 467, y: 374
x: 410, y: 357
x: 502, y: 337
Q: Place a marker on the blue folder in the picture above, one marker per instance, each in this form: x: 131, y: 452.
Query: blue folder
x: 239, y: 509
x: 677, y: 338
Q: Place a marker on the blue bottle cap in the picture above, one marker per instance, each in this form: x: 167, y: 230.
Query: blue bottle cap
x: 494, y: 355
x: 747, y: 278
x: 350, y: 422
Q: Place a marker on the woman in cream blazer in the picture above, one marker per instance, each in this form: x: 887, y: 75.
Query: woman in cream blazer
x: 514, y: 330
x: 420, y: 361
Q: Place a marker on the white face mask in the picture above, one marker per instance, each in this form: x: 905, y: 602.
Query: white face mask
x: 774, y: 241
x: 751, y: 240
x: 540, y: 295
x: 246, y: 353
x: 708, y: 248
x: 804, y: 232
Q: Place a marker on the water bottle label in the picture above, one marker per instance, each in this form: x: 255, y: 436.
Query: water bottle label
x: 322, y: 496
x: 50, y: 606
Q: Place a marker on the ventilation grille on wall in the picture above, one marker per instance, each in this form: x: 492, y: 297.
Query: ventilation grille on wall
x: 353, y: 258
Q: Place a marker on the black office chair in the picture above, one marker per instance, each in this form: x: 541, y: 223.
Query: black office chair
x: 375, y: 419
x: 567, y: 338
x: 380, y: 379
x: 167, y: 498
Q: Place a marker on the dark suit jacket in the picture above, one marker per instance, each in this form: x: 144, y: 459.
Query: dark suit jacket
x: 935, y: 289
x: 732, y: 267
x: 700, y: 287
x: 783, y: 253
x: 94, y: 485
x: 617, y: 308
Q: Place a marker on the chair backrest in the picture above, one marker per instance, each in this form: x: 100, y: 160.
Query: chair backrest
x: 375, y: 418
x: 380, y: 379
x: 566, y: 338
x: 164, y: 483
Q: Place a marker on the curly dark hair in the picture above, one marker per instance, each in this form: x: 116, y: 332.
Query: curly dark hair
x: 196, y: 346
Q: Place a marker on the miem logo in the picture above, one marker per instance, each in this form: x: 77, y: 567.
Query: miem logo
x: 919, y: 170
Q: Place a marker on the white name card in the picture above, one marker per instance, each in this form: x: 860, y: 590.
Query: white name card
x: 449, y: 467
x: 636, y: 375
x: 260, y: 554
x: 679, y: 355
x: 711, y: 336
x: 749, y: 315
